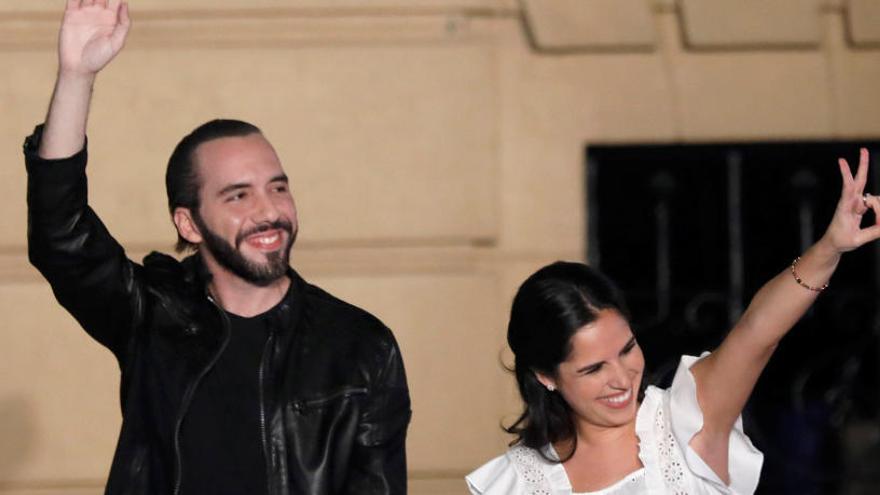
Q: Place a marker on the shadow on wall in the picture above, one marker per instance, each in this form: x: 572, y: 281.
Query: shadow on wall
x: 16, y: 434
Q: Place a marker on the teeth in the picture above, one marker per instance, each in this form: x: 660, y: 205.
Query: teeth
x: 266, y: 239
x: 619, y: 399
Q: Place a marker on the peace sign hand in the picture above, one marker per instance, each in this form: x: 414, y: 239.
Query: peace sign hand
x: 92, y: 33
x: 844, y: 232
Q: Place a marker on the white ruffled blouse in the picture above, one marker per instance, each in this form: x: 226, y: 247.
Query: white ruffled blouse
x: 666, y: 422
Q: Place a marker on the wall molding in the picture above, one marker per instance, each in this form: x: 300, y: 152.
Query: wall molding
x: 277, y: 23
x: 265, y: 28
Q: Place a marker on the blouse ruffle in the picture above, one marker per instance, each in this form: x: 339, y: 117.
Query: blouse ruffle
x: 520, y: 470
x: 666, y: 423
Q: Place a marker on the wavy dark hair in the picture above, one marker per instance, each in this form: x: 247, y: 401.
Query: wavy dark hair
x: 550, y: 306
x: 181, y: 177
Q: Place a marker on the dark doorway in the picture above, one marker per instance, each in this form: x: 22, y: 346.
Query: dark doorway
x: 691, y: 232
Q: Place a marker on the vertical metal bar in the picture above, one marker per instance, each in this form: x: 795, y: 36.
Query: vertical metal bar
x: 663, y: 185
x: 805, y: 224
x: 805, y: 183
x: 736, y: 268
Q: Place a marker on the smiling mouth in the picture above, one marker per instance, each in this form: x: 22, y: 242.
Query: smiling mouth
x: 618, y: 401
x: 267, y: 240
x: 267, y: 236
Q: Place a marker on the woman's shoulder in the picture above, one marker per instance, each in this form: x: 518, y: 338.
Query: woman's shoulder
x: 520, y: 470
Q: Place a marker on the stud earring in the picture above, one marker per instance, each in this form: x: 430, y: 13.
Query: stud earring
x: 551, y: 387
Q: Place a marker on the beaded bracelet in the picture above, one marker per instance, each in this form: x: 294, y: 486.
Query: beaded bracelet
x: 801, y: 282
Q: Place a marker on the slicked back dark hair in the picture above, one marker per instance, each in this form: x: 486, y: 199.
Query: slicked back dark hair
x: 181, y: 177
x: 549, y: 308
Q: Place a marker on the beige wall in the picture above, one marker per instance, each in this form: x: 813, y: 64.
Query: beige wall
x: 436, y: 150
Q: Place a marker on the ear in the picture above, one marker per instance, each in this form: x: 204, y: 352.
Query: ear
x: 545, y: 380
x: 186, y: 226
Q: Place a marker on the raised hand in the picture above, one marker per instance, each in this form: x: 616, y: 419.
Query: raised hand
x: 92, y: 33
x: 844, y: 233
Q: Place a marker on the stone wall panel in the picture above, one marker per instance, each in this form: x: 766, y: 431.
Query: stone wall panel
x: 731, y: 24
x: 572, y: 25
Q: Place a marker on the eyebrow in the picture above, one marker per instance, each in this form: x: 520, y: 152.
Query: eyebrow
x: 244, y: 185
x: 233, y: 187
x: 629, y: 343
x: 280, y: 178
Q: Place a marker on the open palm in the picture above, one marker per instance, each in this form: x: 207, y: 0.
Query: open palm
x: 92, y: 33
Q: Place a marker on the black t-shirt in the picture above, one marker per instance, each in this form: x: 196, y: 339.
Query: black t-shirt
x: 221, y: 436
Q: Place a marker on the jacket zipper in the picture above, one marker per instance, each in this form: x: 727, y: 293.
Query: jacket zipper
x: 344, y: 393
x: 266, y: 349
x: 187, y: 396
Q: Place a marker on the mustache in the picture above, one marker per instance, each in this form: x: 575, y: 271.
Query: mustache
x: 279, y: 224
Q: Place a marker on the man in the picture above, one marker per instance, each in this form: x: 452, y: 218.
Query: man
x: 238, y: 377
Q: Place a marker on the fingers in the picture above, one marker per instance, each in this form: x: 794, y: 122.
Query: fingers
x: 845, y: 174
x: 873, y: 202
x: 855, y: 184
x: 862, y: 174
x: 871, y: 233
x: 867, y: 235
x: 124, y: 19
x: 120, y: 32
x: 78, y: 4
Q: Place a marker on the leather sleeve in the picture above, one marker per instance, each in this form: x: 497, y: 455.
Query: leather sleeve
x: 87, y: 269
x: 379, y: 457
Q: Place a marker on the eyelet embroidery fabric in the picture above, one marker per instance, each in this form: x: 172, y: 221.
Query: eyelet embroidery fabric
x: 669, y: 454
x: 528, y: 465
x: 532, y: 468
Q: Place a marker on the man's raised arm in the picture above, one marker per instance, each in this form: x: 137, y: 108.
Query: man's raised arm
x: 92, y: 33
x: 67, y: 242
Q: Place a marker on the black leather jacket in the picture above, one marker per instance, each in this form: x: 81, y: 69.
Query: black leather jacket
x: 335, y: 398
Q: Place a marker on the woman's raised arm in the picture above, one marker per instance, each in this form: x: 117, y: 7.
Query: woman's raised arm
x: 725, y: 378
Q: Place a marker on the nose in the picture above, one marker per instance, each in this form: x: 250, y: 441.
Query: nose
x: 620, y: 377
x: 265, y: 210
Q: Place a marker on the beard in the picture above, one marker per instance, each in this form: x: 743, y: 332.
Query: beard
x: 231, y: 257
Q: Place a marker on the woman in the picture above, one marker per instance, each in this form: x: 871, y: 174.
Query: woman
x: 585, y: 428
